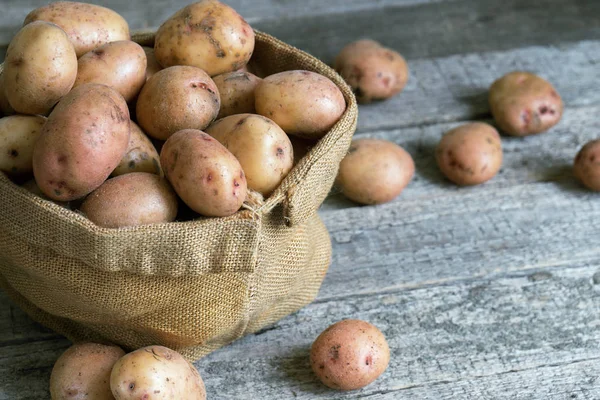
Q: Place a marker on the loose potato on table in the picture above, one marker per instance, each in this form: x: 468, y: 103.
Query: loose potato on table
x: 152, y: 65
x: 524, y: 104
x: 373, y: 72
x: 587, y: 165
x: 141, y: 155
x: 18, y: 135
x: 237, y: 92
x: 470, y: 154
x: 375, y: 171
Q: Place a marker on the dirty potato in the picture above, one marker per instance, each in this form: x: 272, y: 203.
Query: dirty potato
x: 141, y: 155
x: 587, y: 165
x: 18, y: 135
x: 237, y: 92
x: 33, y: 188
x: 5, y: 108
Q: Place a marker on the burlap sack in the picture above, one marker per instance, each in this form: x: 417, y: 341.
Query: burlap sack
x: 193, y: 286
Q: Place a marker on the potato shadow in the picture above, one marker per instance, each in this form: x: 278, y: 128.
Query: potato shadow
x: 299, y: 374
x: 426, y: 167
x: 562, y: 176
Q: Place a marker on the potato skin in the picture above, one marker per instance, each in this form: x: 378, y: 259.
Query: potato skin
x: 470, y: 154
x: 156, y: 373
x: 88, y: 26
x: 5, y: 107
x: 237, y: 92
x: 375, y: 171
x: 141, y: 155
x: 83, y: 372
x: 207, y: 177
x: 32, y: 187
x: 262, y: 148
x: 302, y: 103
x: 349, y: 355
x: 208, y: 35
x: 83, y: 140
x: 524, y: 104
x: 587, y: 165
x: 374, y: 72
x: 18, y: 134
x: 40, y: 68
x: 152, y: 65
x: 120, y: 65
x: 177, y: 98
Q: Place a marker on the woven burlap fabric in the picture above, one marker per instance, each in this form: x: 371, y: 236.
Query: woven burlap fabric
x: 193, y: 286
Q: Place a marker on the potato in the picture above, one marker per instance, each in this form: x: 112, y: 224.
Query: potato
x: 375, y: 171
x: 120, y: 65
x: 156, y: 373
x: 18, y: 134
x: 5, y: 108
x: 141, y: 155
x: 152, y: 66
x: 208, y: 35
x: 524, y: 104
x: 302, y: 103
x: 88, y: 26
x: 262, y: 148
x: 349, y: 355
x: 237, y: 92
x: 587, y: 165
x: 373, y: 72
x: 177, y: 98
x: 40, y: 68
x: 470, y: 154
x: 207, y: 177
x: 83, y: 372
x: 82, y: 142
x: 32, y: 187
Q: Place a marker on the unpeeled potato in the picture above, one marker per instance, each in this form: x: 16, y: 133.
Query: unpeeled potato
x: 141, y: 155
x: 18, y: 135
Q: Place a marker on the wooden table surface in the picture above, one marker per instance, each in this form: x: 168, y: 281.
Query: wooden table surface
x: 489, y: 292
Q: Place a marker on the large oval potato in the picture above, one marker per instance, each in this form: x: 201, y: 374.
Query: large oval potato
x: 18, y: 135
x: 156, y: 373
x: 5, y: 107
x: 237, y: 92
x: 302, y: 103
x: 141, y: 155
x: 177, y: 98
x: 83, y: 140
x: 120, y: 65
x: 87, y: 25
x: 207, y: 177
x: 262, y: 148
x: 208, y: 35
x: 40, y: 68
x: 152, y: 65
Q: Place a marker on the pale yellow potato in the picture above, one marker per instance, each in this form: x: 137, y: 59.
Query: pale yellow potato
x: 141, y: 155
x: 39, y: 69
x: 88, y: 25
x: 152, y: 65
x: 262, y: 148
x: 237, y: 92
x: 587, y: 165
x: 5, y: 108
x: 18, y: 135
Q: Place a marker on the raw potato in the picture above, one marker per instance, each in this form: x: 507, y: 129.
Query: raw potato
x: 470, y: 154
x: 5, y: 108
x: 375, y: 171
x: 83, y: 372
x: 237, y: 92
x: 32, y: 187
x: 302, y: 103
x: 120, y: 65
x: 141, y: 155
x: 152, y: 66
x: 262, y: 148
x: 82, y: 142
x: 208, y: 35
x: 524, y: 104
x: 349, y: 355
x: 132, y: 199
x: 373, y: 72
x: 177, y: 98
x: 587, y: 165
x: 40, y: 68
x: 18, y: 135
x: 88, y: 26
x: 207, y: 177
x: 156, y: 373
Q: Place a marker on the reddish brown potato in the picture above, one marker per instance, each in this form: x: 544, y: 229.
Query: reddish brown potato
x: 349, y: 355
x: 141, y: 155
x: 18, y: 134
x: 152, y: 66
x: 374, y: 72
x: 375, y: 171
x: 177, y: 98
x: 32, y: 187
x: 470, y: 154
x: 237, y: 92
x: 587, y: 165
x: 524, y: 104
x: 207, y: 177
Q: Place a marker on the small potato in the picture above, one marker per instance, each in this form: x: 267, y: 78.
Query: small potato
x: 375, y: 171
x: 152, y: 66
x: 5, y: 108
x: 177, y: 98
x: 141, y: 155
x: 587, y: 165
x: 374, y: 72
x: 156, y: 373
x: 208, y: 35
x: 302, y: 103
x: 40, y: 68
x: 262, y: 148
x: 237, y: 92
x: 32, y: 187
x: 207, y: 177
x: 470, y: 154
x: 349, y: 355
x: 83, y: 372
x: 524, y: 104
x: 18, y: 134
x: 88, y: 26
x: 120, y: 65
